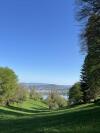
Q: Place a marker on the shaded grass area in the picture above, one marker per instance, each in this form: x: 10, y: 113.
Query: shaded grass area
x: 80, y: 119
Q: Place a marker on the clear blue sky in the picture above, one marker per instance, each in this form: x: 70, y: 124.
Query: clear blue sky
x: 39, y: 40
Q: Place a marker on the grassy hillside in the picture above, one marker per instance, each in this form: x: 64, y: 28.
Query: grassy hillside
x: 34, y: 117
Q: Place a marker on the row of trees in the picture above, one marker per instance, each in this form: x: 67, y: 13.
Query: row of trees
x: 11, y: 91
x: 89, y: 15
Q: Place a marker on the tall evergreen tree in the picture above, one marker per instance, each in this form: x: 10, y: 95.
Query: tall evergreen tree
x: 89, y: 12
x: 84, y: 82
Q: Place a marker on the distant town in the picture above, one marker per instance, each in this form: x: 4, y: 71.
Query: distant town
x: 45, y: 88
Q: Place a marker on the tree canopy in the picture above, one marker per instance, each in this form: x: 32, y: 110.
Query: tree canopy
x: 75, y: 94
x: 89, y: 13
x: 8, y: 84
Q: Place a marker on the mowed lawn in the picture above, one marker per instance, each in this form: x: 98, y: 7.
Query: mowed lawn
x: 34, y: 117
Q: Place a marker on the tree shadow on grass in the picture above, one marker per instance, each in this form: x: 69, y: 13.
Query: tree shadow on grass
x: 83, y: 121
x: 34, y: 110
x: 7, y: 112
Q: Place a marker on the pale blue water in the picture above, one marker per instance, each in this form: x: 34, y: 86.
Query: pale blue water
x: 45, y: 96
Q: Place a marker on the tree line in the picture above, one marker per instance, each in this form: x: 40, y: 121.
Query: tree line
x: 89, y: 87
x: 11, y: 91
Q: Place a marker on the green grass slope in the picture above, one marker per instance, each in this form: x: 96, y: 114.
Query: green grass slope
x: 34, y: 117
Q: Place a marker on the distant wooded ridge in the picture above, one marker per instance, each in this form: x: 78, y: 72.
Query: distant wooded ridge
x: 45, y: 88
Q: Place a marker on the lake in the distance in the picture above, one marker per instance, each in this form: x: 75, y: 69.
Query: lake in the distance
x: 45, y: 97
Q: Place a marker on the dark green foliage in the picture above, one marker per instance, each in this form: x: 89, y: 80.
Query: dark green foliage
x: 97, y: 101
x: 89, y: 12
x: 84, y: 82
x: 90, y: 79
x: 75, y: 94
x: 95, y: 84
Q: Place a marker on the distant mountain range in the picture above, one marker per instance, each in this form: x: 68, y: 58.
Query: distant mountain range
x: 45, y: 88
